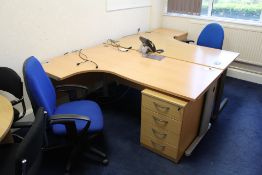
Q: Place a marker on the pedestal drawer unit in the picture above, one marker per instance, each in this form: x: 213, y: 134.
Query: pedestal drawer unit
x: 168, y: 124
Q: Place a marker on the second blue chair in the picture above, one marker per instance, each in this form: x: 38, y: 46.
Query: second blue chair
x: 211, y: 36
x: 69, y: 119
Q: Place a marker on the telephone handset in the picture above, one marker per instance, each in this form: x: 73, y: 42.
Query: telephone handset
x: 149, y: 45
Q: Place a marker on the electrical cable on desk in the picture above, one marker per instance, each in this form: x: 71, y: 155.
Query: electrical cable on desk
x: 71, y: 52
x: 85, y: 59
x: 138, y: 33
x: 118, y: 46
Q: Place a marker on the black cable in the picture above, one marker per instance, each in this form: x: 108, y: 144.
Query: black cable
x: 159, y: 51
x: 114, y: 44
x: 82, y: 55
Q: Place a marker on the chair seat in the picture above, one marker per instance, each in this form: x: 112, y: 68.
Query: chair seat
x: 84, y: 108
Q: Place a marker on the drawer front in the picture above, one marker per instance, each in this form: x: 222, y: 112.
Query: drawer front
x: 160, y: 135
x: 158, y: 147
x: 159, y: 121
x: 162, y: 107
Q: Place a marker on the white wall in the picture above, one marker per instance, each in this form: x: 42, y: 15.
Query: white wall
x: 48, y: 28
x: 156, y: 14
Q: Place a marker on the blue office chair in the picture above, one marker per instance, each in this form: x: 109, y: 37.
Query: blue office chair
x: 71, y: 119
x: 213, y: 36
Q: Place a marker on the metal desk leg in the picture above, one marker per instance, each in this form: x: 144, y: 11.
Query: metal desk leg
x: 219, y: 104
x: 206, y: 116
x: 222, y: 104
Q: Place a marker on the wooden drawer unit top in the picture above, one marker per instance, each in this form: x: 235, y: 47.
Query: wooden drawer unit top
x: 163, y: 149
x: 160, y: 135
x: 160, y: 122
x: 162, y: 104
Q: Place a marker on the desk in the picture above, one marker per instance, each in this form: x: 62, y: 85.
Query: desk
x: 174, y: 88
x: 6, y: 117
x: 163, y: 39
x: 170, y: 33
x: 170, y: 76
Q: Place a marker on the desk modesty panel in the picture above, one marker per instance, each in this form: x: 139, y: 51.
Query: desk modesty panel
x: 169, y: 76
x: 173, y: 48
x: 6, y: 116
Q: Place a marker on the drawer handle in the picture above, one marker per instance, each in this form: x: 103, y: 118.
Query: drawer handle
x: 159, y: 135
x: 159, y: 121
x: 161, y: 108
x: 158, y: 146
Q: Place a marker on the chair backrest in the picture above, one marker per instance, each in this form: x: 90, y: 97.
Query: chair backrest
x: 211, y: 36
x: 30, y: 149
x: 11, y: 82
x: 38, y: 85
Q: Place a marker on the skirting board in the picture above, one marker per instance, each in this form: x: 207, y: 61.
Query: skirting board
x: 244, y: 75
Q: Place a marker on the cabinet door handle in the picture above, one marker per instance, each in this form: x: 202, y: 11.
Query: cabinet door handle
x: 158, y: 134
x: 158, y: 146
x: 159, y: 121
x: 161, y: 108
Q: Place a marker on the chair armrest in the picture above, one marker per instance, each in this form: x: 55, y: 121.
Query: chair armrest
x: 71, y: 90
x: 67, y: 117
x: 68, y: 121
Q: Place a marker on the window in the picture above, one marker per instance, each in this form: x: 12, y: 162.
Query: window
x: 241, y: 9
x: 235, y: 9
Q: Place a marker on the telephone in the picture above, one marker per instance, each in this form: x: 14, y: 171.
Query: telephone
x: 148, y: 43
x: 148, y: 46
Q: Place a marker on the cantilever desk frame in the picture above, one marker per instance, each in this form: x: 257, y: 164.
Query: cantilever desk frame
x: 187, y: 72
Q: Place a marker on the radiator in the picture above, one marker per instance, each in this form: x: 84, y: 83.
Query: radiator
x: 247, y: 42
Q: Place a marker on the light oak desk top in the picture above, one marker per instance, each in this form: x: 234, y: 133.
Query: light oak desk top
x: 6, y: 116
x: 170, y: 76
x: 163, y: 39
